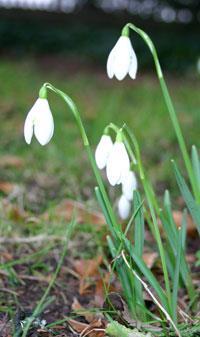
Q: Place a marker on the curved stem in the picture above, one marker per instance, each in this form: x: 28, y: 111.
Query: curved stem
x: 170, y: 107
x: 77, y: 116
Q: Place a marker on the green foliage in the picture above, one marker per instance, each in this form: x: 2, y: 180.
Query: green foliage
x: 177, y: 45
x: 192, y: 205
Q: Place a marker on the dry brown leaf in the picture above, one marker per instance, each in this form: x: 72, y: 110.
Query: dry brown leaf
x: 6, y: 256
x: 6, y: 187
x: 15, y: 213
x: 101, y: 285
x: 150, y: 258
x: 178, y: 217
x: 86, y: 268
x: 88, y: 271
x: 191, y: 228
x: 67, y: 208
x: 77, y: 326
x: 78, y: 308
x: 11, y: 161
x: 94, y: 329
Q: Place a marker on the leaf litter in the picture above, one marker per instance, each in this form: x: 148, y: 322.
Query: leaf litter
x: 77, y: 300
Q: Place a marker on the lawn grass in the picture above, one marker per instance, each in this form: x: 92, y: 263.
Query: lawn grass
x: 48, y: 175
x: 138, y: 103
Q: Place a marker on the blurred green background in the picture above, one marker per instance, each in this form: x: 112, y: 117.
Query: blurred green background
x: 69, y: 48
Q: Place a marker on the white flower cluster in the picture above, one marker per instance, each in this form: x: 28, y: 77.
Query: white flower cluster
x: 114, y: 158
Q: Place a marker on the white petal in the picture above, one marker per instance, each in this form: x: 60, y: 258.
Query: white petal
x: 124, y: 162
x: 117, y: 164
x: 124, y: 207
x: 122, y: 58
x: 43, y: 123
x: 110, y: 63
x: 112, y: 168
x: 129, y: 184
x: 28, y: 125
x: 103, y: 151
x: 112, y: 171
x: 133, y: 65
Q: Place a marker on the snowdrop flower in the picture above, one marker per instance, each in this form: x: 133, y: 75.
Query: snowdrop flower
x: 124, y: 207
x: 40, y: 122
x: 122, y: 60
x: 129, y: 184
x: 103, y: 150
x: 118, y: 163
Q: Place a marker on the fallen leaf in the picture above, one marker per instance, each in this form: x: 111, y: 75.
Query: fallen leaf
x: 79, y: 309
x: 178, y: 217
x: 11, y: 161
x: 101, y: 284
x: 94, y: 329
x: 77, y: 326
x: 67, y: 208
x: 6, y: 187
x: 88, y: 271
x: 191, y: 228
x: 86, y: 268
x: 150, y: 258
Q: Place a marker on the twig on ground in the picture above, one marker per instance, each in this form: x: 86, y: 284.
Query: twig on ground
x: 12, y: 292
x: 31, y: 239
x: 151, y: 294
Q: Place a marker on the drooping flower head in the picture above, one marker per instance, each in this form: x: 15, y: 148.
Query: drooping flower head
x: 124, y: 207
x: 129, y: 185
x: 118, y: 163
x: 122, y: 59
x: 39, y: 121
x: 103, y: 151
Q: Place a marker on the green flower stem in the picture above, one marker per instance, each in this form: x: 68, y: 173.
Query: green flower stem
x: 136, y: 157
x: 116, y: 129
x: 170, y: 107
x: 152, y: 203
x: 77, y: 116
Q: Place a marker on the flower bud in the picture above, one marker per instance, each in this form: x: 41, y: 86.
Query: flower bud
x: 129, y: 184
x: 124, y: 207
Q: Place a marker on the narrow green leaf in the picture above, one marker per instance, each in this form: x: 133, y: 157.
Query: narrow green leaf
x: 139, y: 225
x: 104, y: 210
x: 138, y: 244
x: 124, y: 276
x: 176, y: 276
x: 184, y: 229
x: 189, y: 200
x: 196, y: 165
x: 147, y: 273
x: 169, y: 212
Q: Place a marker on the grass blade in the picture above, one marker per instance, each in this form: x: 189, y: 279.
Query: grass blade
x: 147, y: 273
x: 177, y: 275
x: 138, y: 245
x: 53, y: 279
x: 196, y: 165
x: 189, y: 200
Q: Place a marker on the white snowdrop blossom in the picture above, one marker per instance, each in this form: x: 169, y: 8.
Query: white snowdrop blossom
x: 129, y: 184
x: 122, y: 60
x: 40, y: 122
x: 124, y: 207
x: 118, y: 163
x: 103, y: 150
